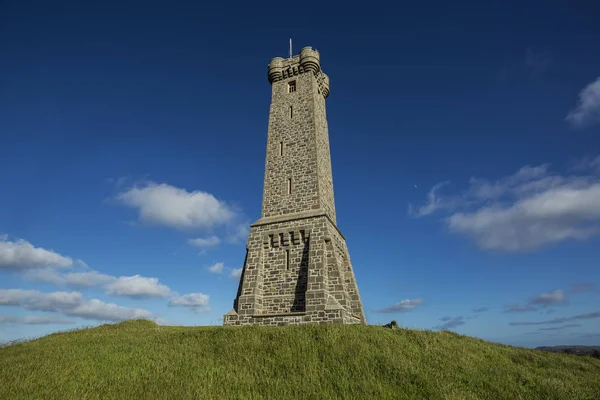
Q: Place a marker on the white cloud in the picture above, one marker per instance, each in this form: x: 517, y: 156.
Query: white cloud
x: 190, y: 300
x: 71, y: 304
x: 33, y: 320
x: 547, y: 217
x: 402, y: 306
x: 73, y: 279
x: 196, y: 301
x: 87, y: 279
x: 523, y: 211
x: 236, y: 273
x: 99, y: 310
x: 205, y: 242
x: 166, y: 205
x: 21, y: 255
x: 587, y: 111
x: 137, y: 287
x: 216, y: 268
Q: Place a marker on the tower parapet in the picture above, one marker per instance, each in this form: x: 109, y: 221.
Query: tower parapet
x: 308, y: 61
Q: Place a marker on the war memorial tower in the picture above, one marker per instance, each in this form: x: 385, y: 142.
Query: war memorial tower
x: 297, y: 268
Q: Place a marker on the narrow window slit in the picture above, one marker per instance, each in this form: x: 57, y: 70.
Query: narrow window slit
x: 287, y: 259
x: 280, y: 148
x: 289, y: 186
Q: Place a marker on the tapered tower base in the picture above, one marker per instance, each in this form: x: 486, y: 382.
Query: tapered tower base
x: 297, y: 271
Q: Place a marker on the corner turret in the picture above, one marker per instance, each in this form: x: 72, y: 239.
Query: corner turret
x: 310, y: 60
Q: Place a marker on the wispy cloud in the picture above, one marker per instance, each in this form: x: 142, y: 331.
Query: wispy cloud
x: 204, y: 243
x: 71, y: 304
x: 216, y: 268
x: 516, y: 308
x: 587, y: 111
x: 135, y: 286
x: 22, y: 255
x: 480, y: 310
x: 560, y: 328
x: 236, y: 273
x: 402, y: 306
x: 450, y: 322
x: 524, y: 211
x: 533, y: 65
x: 558, y: 321
x: 582, y: 287
x: 586, y: 163
x: 34, y: 320
x: 547, y: 299
x: 536, y: 63
x: 195, y: 301
x: 590, y: 335
x: 238, y: 233
x: 434, y: 202
x: 80, y: 280
x: 544, y: 300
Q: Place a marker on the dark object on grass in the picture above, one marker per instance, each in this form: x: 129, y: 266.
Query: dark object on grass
x: 391, y: 325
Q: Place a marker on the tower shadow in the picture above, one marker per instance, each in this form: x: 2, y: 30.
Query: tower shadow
x: 299, y: 304
x: 241, y: 284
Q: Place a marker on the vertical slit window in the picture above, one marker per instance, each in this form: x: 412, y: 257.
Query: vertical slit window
x: 289, y: 186
x: 280, y: 148
x: 287, y: 259
x: 291, y: 111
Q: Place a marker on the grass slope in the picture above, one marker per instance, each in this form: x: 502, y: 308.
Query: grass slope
x: 140, y: 360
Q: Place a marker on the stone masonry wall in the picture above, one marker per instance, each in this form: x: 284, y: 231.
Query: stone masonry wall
x: 298, y: 149
x: 299, y: 159
x: 269, y: 287
x: 327, y: 202
x: 347, y: 275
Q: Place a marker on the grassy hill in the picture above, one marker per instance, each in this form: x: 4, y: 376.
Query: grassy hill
x: 141, y: 360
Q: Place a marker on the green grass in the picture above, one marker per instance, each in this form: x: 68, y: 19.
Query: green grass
x: 140, y: 360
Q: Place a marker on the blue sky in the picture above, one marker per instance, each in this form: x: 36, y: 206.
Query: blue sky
x: 465, y: 147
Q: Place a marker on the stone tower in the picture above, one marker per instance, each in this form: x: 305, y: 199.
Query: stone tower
x: 297, y: 268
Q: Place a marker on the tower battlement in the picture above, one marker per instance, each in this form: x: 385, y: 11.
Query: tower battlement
x: 297, y: 268
x: 308, y: 61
